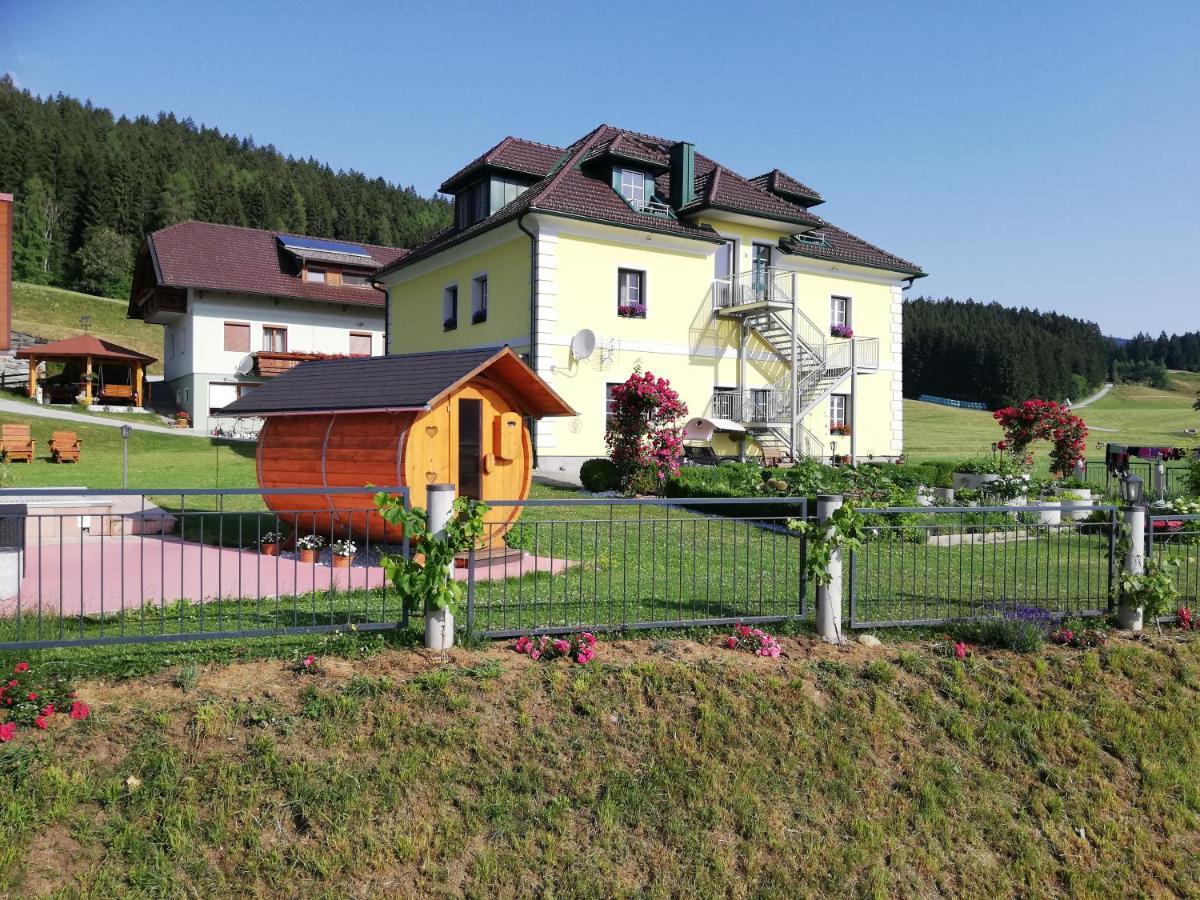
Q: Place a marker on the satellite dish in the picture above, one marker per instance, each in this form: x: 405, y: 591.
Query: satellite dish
x: 246, y: 366
x: 583, y: 344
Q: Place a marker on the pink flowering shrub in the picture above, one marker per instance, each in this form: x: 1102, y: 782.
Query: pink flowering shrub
x: 645, y: 438
x: 579, y: 648
x: 30, y: 701
x: 753, y: 640
x: 1044, y: 420
x: 1184, y: 616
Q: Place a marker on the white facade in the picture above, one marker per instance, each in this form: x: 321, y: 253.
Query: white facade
x: 203, y: 374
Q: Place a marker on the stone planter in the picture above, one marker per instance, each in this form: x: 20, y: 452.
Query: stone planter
x: 341, y: 562
x: 269, y: 549
x: 1075, y: 510
x: 1048, y: 516
x: 944, y: 494
x: 971, y: 482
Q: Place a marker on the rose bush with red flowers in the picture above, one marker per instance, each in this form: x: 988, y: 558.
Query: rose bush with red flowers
x: 1044, y: 420
x: 645, y: 439
x: 29, y: 701
x: 753, y: 640
x: 580, y: 648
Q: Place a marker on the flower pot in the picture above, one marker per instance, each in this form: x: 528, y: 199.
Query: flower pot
x: 269, y: 549
x: 341, y: 562
x: 308, y: 556
x: 1048, y: 516
x: 972, y: 482
x: 1075, y: 510
x: 946, y: 494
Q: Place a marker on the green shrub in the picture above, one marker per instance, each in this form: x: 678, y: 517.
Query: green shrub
x: 1000, y: 464
x: 1018, y: 635
x: 598, y: 476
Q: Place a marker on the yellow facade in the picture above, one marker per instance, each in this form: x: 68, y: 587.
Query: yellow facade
x: 680, y: 338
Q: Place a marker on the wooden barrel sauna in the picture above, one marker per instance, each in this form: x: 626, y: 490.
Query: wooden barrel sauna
x: 474, y: 438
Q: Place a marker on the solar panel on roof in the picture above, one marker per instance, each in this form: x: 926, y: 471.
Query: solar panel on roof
x: 306, y: 243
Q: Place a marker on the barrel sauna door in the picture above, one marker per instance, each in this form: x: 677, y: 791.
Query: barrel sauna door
x: 470, y: 447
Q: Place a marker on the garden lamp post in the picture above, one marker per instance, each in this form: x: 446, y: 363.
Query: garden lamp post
x: 1131, y: 490
x: 833, y: 453
x: 126, y: 430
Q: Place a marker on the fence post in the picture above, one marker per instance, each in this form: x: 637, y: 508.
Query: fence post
x: 439, y: 623
x: 1130, y: 617
x: 1160, y: 479
x: 829, y: 596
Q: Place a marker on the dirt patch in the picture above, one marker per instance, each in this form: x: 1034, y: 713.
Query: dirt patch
x: 54, y: 858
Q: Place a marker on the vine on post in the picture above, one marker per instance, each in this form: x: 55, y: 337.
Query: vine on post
x: 429, y: 583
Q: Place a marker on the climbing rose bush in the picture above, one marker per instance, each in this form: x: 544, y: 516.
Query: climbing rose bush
x: 580, y: 648
x: 1044, y: 420
x: 30, y: 701
x: 753, y: 640
x: 644, y: 436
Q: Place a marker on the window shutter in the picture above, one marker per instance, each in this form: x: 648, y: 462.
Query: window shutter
x: 237, y: 337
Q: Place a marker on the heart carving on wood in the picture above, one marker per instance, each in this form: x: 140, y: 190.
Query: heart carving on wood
x: 431, y: 477
x: 431, y: 430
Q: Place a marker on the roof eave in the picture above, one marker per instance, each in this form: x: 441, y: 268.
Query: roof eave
x: 907, y: 272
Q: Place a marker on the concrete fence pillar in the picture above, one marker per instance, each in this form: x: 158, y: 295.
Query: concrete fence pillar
x: 1160, y: 479
x: 829, y: 596
x: 439, y: 623
x: 1130, y: 617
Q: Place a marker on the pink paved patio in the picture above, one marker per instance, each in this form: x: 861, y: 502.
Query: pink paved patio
x: 98, y: 575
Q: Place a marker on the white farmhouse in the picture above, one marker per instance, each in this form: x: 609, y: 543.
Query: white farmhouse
x: 240, y: 305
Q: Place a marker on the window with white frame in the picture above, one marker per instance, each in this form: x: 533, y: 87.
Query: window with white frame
x: 450, y: 308
x: 316, y: 276
x: 610, y: 404
x: 274, y: 339
x: 839, y: 411
x: 631, y: 294
x: 839, y: 311
x: 479, y: 299
x: 633, y: 187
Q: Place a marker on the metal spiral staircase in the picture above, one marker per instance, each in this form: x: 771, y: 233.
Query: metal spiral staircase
x: 764, y: 301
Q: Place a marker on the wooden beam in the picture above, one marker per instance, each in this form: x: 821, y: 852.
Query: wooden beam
x: 87, y: 383
x: 33, y: 366
x: 139, y: 374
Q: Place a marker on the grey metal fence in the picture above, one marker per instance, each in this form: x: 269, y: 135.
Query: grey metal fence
x: 1174, y: 537
x: 1175, y: 476
x: 113, y: 566
x: 930, y: 565
x: 568, y: 565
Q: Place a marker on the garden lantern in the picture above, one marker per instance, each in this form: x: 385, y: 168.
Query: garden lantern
x: 1131, y: 490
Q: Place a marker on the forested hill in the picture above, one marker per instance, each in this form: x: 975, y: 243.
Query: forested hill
x: 997, y: 355
x: 89, y: 186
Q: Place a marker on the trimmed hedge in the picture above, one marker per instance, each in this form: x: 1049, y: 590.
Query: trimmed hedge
x: 598, y: 476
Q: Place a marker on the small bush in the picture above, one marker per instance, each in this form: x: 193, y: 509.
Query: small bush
x: 598, y: 476
x: 1018, y: 635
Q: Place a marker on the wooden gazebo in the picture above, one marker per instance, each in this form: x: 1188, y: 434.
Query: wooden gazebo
x: 90, y: 353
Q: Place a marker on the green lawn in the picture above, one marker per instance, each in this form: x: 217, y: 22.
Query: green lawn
x: 665, y: 768
x: 1135, y: 414
x: 155, y: 460
x: 54, y: 313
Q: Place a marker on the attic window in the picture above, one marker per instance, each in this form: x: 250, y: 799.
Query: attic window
x: 315, y: 275
x: 351, y: 280
x: 638, y: 190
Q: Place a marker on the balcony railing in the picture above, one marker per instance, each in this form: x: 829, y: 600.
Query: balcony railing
x: 756, y: 286
x: 756, y: 406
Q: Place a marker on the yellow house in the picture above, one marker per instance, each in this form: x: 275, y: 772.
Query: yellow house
x: 780, y: 331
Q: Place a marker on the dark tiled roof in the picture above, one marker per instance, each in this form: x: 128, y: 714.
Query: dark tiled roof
x: 842, y: 246
x: 410, y: 381
x: 778, y: 182
x: 246, y: 261
x: 720, y: 188
x: 575, y: 188
x: 513, y: 154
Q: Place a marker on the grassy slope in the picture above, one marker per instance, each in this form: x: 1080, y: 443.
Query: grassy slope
x: 663, y: 769
x: 1139, y: 415
x: 54, y: 313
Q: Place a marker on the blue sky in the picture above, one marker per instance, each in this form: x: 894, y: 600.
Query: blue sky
x: 1039, y: 154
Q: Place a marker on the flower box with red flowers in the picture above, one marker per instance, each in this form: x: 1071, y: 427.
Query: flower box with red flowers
x: 632, y: 310
x: 841, y: 331
x: 839, y: 429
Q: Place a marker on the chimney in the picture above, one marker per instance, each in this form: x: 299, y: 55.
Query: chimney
x: 6, y: 263
x: 683, y: 174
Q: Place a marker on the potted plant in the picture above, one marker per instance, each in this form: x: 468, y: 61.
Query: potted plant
x: 632, y: 310
x: 449, y: 324
x: 975, y: 473
x: 182, y: 420
x: 343, y: 553
x: 839, y: 429
x: 269, y: 543
x: 480, y: 315
x: 1075, y: 497
x: 841, y: 331
x: 309, y: 546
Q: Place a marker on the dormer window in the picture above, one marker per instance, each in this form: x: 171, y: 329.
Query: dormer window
x: 637, y: 188
x: 485, y: 197
x: 317, y: 276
